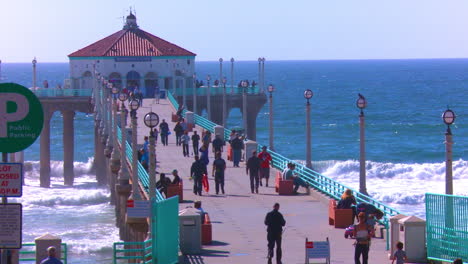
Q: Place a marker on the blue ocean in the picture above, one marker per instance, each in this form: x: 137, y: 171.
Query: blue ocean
x: 405, y: 137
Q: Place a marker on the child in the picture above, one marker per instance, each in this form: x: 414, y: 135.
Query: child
x: 400, y: 254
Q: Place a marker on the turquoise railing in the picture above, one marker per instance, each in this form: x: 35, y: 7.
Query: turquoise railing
x: 446, y: 227
x: 216, y: 90
x: 318, y: 181
x: 143, y: 176
x: 55, y: 92
x: 30, y: 255
x: 136, y: 251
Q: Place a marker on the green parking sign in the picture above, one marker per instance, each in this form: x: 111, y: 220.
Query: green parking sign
x: 21, y: 117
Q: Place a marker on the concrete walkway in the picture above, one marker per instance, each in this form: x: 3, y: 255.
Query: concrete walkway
x: 239, y: 234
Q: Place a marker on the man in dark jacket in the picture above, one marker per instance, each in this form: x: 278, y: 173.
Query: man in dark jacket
x: 275, y: 222
x: 218, y: 144
x: 253, y: 165
x: 196, y: 172
x: 164, y: 130
x: 237, y: 145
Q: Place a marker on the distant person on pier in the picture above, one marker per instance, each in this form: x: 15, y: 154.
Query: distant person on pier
x: 237, y: 145
x: 207, y: 139
x: 177, y: 179
x: 179, y: 131
x: 198, y: 205
x: 291, y: 175
x: 253, y: 84
x: 51, y: 259
x: 363, y: 234
x: 163, y: 183
x: 232, y: 135
x: 219, y: 166
x: 274, y: 220
x: 371, y: 212
x: 218, y: 144
x: 157, y: 93
x: 195, y: 142
x: 204, y: 155
x: 197, y: 170
x: 180, y: 111
x: 253, y: 166
x: 265, y: 166
x: 164, y: 130
x: 458, y: 261
x: 185, y: 139
x: 348, y: 201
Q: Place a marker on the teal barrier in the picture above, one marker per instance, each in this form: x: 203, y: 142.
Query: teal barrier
x: 165, y: 230
x: 446, y: 227
x: 55, y: 92
x: 215, y: 90
x: 131, y: 252
x: 30, y: 255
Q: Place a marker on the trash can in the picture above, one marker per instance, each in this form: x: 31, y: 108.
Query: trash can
x: 413, y: 235
x: 162, y: 94
x: 190, y: 231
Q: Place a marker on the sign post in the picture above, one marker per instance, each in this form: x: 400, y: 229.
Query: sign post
x: 21, y: 122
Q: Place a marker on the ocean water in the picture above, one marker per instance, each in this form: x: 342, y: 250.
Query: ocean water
x: 404, y: 138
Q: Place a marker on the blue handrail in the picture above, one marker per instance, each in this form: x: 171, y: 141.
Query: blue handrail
x: 56, y: 92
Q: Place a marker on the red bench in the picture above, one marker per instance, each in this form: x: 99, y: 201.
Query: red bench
x: 340, y: 218
x: 207, y: 235
x: 283, y: 187
x: 176, y: 189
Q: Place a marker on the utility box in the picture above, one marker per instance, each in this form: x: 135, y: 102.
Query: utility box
x: 190, y: 231
x: 45, y: 241
x: 394, y: 232
x: 189, y: 118
x: 413, y: 235
x: 250, y: 146
x: 219, y: 131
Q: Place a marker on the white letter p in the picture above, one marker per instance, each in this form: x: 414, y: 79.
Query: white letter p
x: 22, y: 110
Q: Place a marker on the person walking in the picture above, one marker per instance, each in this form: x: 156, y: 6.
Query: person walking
x: 274, y: 221
x: 237, y: 145
x: 206, y: 140
x: 185, y: 139
x: 195, y: 142
x: 164, y: 130
x: 51, y: 259
x: 253, y: 165
x: 363, y: 233
x: 179, y: 131
x: 218, y: 144
x: 265, y: 166
x: 196, y: 172
x: 204, y: 155
x: 219, y: 166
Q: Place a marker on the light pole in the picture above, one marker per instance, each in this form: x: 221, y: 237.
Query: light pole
x: 194, y: 94
x: 259, y: 72
x: 34, y: 62
x: 208, y: 97
x: 134, y: 105
x: 220, y: 69
x: 271, y: 89
x: 151, y: 120
x: 448, y: 117
x: 110, y: 141
x: 232, y: 75
x: 224, y: 102
x: 307, y: 95
x: 244, y: 107
x: 115, y: 157
x: 263, y: 74
x: 361, y: 103
x: 123, y: 173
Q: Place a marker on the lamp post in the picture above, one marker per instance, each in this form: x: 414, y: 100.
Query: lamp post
x: 271, y: 89
x: 448, y: 117
x: 307, y: 95
x: 259, y: 72
x: 232, y: 75
x: 220, y: 69
x: 244, y: 106
x: 123, y: 173
x: 263, y: 74
x: 361, y: 103
x: 110, y: 141
x: 151, y: 120
x: 115, y: 152
x: 208, y: 97
x: 34, y: 62
x: 194, y: 93
x: 224, y: 102
x: 184, y: 88
x: 134, y: 105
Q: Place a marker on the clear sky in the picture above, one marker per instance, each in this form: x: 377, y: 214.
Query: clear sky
x: 243, y: 29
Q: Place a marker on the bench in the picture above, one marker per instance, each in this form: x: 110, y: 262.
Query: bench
x: 174, y: 117
x: 283, y: 187
x: 207, y: 231
x: 340, y: 218
x: 317, y: 250
x: 229, y: 153
x: 176, y: 189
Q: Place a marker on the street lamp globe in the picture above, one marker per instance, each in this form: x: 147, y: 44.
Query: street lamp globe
x: 115, y: 90
x: 244, y: 84
x: 123, y: 97
x: 224, y: 80
x: 34, y: 61
x: 232, y: 60
x: 134, y: 105
x: 448, y: 117
x: 361, y: 102
x: 220, y: 59
x: 308, y: 94
x: 151, y: 120
x: 271, y: 88
x: 208, y: 78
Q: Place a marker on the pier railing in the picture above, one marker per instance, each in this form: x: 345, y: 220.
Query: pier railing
x: 216, y: 90
x: 26, y: 256
x: 133, y: 252
x: 319, y: 182
x: 56, y: 92
x: 446, y: 227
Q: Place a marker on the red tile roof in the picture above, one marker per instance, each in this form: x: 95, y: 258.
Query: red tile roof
x: 131, y: 42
